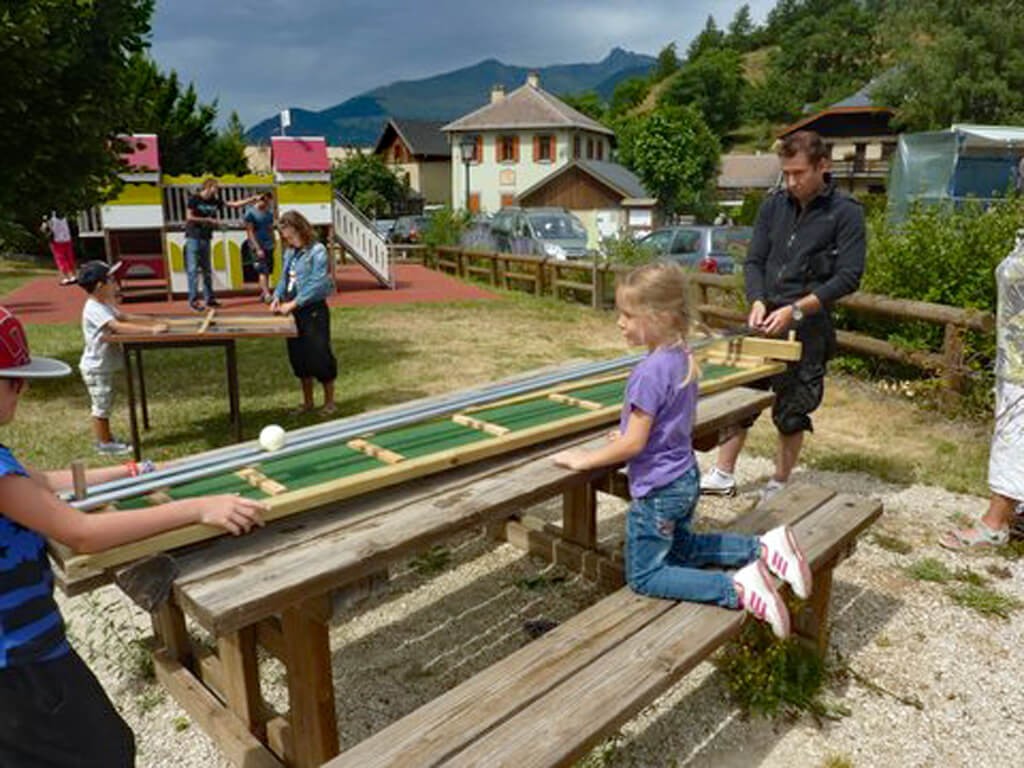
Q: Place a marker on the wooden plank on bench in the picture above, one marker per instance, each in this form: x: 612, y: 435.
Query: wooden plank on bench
x: 440, y: 728
x: 616, y: 686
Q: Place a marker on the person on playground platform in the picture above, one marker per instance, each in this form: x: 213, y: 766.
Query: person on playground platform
x: 53, y: 710
x: 806, y: 253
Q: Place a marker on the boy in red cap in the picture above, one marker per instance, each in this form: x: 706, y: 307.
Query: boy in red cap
x: 53, y: 711
x: 101, y: 359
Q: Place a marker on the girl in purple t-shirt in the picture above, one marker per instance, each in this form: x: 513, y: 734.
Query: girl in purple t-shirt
x: 664, y: 557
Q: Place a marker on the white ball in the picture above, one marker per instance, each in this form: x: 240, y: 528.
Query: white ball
x: 272, y: 438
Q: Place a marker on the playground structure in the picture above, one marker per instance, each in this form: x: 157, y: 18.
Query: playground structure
x: 143, y: 226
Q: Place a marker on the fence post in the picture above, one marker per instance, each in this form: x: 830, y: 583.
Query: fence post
x: 542, y: 270
x: 953, y: 363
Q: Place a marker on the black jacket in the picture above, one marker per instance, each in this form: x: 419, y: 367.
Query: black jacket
x: 819, y: 250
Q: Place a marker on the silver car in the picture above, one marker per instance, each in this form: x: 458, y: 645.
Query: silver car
x: 719, y: 250
x: 551, y: 232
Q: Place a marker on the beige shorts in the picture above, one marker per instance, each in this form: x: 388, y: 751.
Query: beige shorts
x: 101, y: 392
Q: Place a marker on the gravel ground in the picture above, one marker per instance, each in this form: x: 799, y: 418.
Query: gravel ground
x: 443, y: 618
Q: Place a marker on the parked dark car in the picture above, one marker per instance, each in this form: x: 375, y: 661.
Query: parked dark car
x: 552, y: 232
x: 719, y: 250
x: 408, y: 229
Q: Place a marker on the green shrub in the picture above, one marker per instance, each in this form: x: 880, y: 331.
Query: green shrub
x: 446, y: 227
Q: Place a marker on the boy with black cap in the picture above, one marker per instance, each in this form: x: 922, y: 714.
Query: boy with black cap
x: 53, y: 711
x: 101, y: 359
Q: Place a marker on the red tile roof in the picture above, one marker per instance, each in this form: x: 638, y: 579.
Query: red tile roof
x: 143, y: 153
x: 295, y: 154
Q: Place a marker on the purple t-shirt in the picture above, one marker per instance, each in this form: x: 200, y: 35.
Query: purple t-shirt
x: 656, y: 387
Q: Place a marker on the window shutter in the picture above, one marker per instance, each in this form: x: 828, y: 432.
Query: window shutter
x: 507, y: 201
x: 515, y: 149
x: 536, y: 148
x: 479, y: 153
x: 474, y: 202
x: 552, y: 145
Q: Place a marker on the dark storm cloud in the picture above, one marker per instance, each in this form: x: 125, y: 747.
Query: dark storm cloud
x: 257, y: 56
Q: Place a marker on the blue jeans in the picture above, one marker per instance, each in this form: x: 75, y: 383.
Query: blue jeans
x: 197, y: 259
x: 664, y: 558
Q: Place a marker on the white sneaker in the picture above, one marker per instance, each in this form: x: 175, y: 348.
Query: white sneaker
x: 718, y: 483
x: 783, y: 556
x: 759, y: 597
x: 770, y: 489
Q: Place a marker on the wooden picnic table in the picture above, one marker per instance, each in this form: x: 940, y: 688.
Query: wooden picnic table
x: 209, y: 330
x: 274, y: 588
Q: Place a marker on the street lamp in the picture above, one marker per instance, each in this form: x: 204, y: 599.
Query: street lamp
x: 467, y: 145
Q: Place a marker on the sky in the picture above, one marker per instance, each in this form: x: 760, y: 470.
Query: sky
x: 259, y: 56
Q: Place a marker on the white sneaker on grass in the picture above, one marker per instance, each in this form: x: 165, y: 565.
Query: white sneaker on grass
x: 783, y: 556
x: 718, y: 483
x: 759, y: 597
x: 113, y: 448
x: 769, y: 490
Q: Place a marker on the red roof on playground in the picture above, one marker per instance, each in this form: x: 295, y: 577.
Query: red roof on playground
x: 299, y: 154
x: 143, y: 153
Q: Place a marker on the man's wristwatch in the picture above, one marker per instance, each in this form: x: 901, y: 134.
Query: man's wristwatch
x: 798, y: 314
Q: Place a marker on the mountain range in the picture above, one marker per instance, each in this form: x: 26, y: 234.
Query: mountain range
x: 358, y: 121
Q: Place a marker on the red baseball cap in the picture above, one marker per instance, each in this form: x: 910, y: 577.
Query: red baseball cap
x: 15, y: 360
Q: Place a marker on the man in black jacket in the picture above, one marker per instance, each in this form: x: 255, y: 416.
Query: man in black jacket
x: 807, y: 252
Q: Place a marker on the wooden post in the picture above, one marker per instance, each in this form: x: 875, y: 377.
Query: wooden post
x: 953, y: 362
x: 171, y: 633
x: 812, y: 623
x: 541, y: 274
x: 78, y: 479
x: 240, y: 678
x: 579, y: 515
x: 310, y: 683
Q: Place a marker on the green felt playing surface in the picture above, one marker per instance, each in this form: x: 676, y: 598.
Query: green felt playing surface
x: 320, y: 465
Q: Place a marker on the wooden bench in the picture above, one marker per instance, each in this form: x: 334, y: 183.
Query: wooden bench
x: 275, y: 587
x: 552, y: 701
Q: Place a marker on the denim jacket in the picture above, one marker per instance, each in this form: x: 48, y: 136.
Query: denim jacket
x: 312, y: 281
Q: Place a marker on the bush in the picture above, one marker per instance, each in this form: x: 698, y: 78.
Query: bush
x: 446, y: 227
x: 624, y: 250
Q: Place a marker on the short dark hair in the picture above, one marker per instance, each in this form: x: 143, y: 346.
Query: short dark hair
x: 806, y: 143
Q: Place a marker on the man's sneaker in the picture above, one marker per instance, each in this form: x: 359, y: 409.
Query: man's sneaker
x: 718, y: 483
x: 114, y: 448
x: 759, y: 597
x: 783, y: 556
x: 213, y: 303
x: 195, y: 306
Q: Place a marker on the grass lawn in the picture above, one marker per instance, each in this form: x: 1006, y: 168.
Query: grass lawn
x: 392, y: 354
x: 14, y: 274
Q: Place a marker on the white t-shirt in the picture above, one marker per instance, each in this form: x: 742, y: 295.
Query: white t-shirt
x: 60, y: 230
x: 98, y: 356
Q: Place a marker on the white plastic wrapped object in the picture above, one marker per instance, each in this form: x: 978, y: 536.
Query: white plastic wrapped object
x: 1006, y: 459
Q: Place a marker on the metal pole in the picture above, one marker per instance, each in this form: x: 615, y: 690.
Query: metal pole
x: 466, y: 163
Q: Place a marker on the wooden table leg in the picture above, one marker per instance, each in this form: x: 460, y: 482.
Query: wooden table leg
x: 579, y: 515
x: 310, y: 683
x: 241, y: 678
x: 171, y: 633
x: 233, y: 404
x: 812, y: 623
x: 142, y: 388
x: 132, y: 419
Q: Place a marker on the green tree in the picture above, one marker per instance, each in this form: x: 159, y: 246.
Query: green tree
x: 628, y: 94
x: 373, y: 188
x: 226, y: 155
x: 710, y: 38
x: 667, y: 64
x: 588, y: 102
x: 712, y: 83
x: 742, y: 30
x: 63, y: 66
x: 674, y: 153
x: 185, y: 125
x: 954, y: 62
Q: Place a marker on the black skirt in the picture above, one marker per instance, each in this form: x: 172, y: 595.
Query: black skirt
x: 310, y: 352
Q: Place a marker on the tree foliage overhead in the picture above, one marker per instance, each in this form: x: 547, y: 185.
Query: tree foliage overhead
x: 589, y: 103
x: 63, y: 65
x: 674, y: 154
x: 713, y: 84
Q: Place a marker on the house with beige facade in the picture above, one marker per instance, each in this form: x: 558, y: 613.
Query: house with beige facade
x: 530, y: 148
x: 417, y: 151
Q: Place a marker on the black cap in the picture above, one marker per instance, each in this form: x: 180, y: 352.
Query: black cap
x: 93, y: 272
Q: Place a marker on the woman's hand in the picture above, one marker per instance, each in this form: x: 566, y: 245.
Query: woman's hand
x: 235, y: 514
x: 160, y: 328
x: 286, y: 308
x: 573, y: 458
x: 275, y: 306
x: 614, y: 435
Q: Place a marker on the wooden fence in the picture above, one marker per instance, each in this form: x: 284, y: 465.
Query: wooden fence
x: 718, y: 301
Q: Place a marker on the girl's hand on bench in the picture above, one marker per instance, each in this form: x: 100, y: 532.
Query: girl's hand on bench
x: 573, y: 458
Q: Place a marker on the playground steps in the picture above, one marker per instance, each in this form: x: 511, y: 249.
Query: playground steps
x: 361, y: 241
